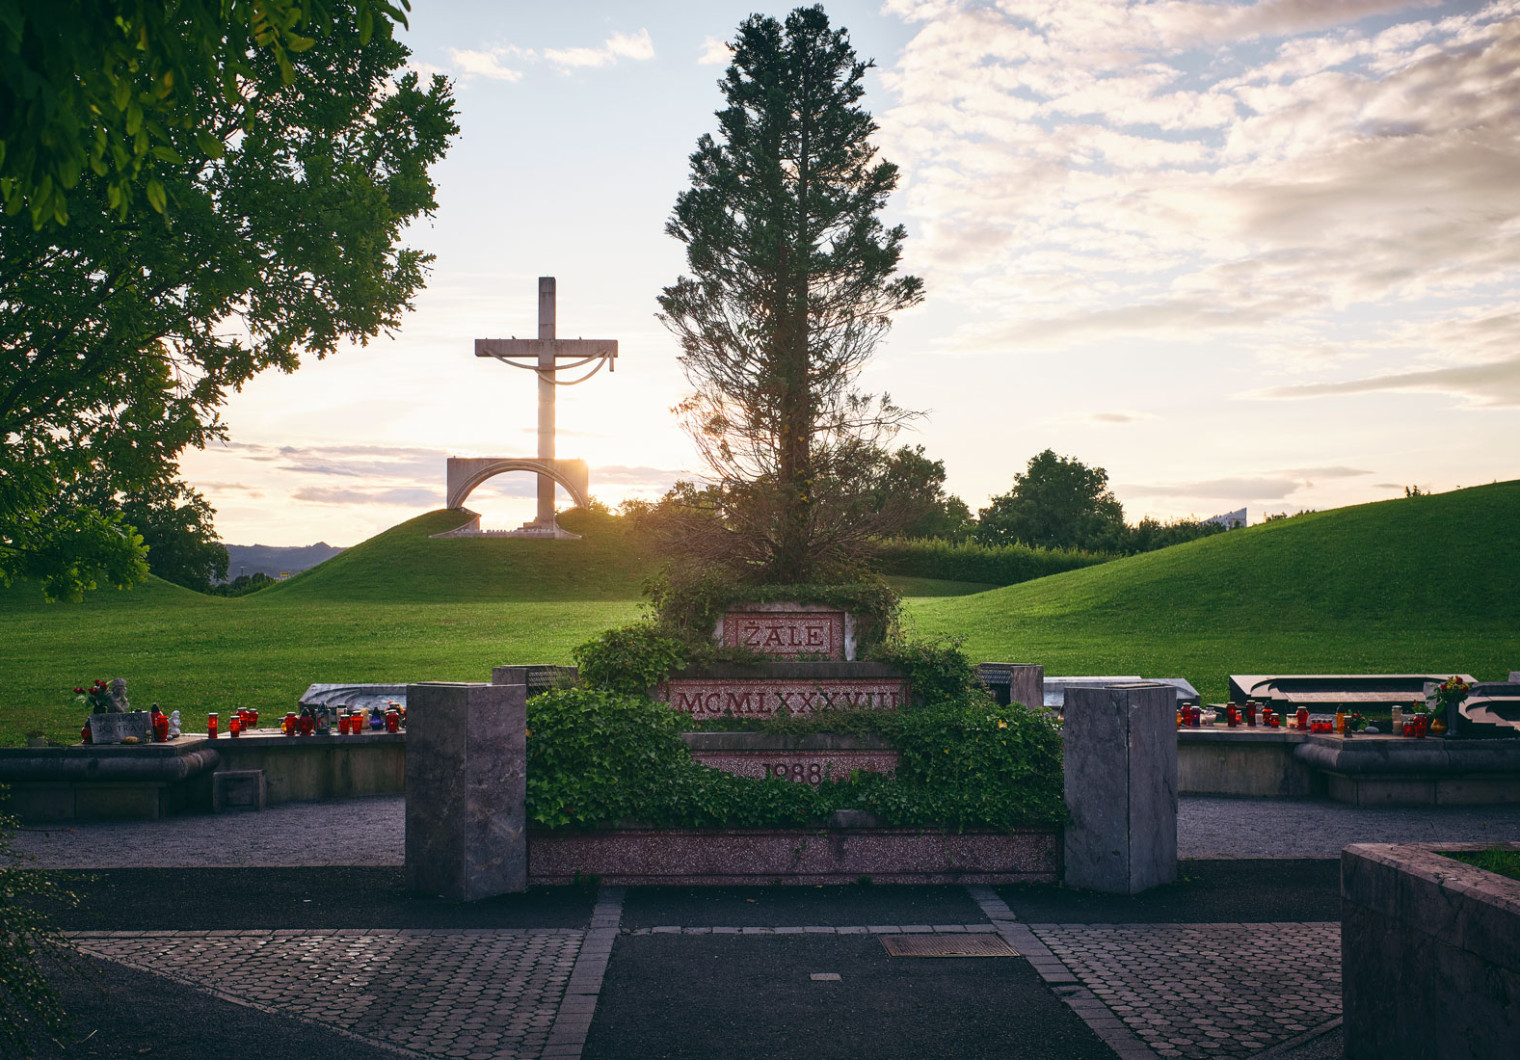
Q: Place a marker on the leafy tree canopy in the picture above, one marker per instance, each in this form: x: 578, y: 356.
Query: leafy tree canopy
x: 120, y: 88
x: 1056, y: 502
x: 176, y: 526
x: 912, y: 487
x: 123, y: 334
x: 791, y: 286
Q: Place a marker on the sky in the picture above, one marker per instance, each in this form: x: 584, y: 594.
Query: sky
x: 1255, y: 254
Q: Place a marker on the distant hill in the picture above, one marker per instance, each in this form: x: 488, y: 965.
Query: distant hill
x: 275, y: 560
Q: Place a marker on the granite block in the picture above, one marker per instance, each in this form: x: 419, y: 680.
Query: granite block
x: 466, y: 790
x: 1121, y: 787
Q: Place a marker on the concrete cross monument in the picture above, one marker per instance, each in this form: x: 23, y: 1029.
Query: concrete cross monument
x: 548, y: 356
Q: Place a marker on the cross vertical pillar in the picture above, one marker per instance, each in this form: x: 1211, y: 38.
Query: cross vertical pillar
x: 546, y: 369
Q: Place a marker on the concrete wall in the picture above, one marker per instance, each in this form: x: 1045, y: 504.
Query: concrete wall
x: 1430, y: 955
x: 298, y: 768
x: 1258, y: 763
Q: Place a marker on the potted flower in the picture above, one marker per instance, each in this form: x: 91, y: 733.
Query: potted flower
x: 1355, y: 723
x: 1448, y: 695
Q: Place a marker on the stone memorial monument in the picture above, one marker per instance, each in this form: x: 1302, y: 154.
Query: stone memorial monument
x: 547, y: 356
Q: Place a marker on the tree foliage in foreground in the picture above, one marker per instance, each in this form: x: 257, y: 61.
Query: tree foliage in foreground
x: 791, y: 286
x: 123, y: 88
x: 175, y: 523
x: 29, y: 946
x: 123, y: 334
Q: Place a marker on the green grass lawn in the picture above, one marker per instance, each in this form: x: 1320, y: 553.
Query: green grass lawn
x: 1504, y: 862
x: 1419, y: 584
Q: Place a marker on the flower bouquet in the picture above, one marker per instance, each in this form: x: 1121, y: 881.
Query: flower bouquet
x: 97, y: 697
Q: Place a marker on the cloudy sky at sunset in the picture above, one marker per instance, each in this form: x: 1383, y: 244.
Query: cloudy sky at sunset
x: 1257, y: 254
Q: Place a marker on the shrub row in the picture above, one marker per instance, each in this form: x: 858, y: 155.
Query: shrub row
x: 969, y: 562
x: 598, y: 757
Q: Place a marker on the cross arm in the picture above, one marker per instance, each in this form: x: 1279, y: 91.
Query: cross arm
x: 579, y: 349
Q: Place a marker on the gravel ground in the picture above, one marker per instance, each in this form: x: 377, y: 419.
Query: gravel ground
x: 1213, y: 827
x: 371, y: 831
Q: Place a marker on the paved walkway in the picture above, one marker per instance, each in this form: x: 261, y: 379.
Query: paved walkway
x: 1241, y: 959
x: 372, y: 831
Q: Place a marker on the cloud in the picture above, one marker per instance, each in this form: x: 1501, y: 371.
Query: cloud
x: 636, y: 46
x: 492, y: 63
x: 488, y: 64
x: 715, y: 52
x: 1260, y: 488
x: 622, y: 475
x: 1314, y: 183
x: 396, y: 498
x: 1494, y: 385
x: 1327, y: 472
x: 1242, y: 488
x: 1120, y: 417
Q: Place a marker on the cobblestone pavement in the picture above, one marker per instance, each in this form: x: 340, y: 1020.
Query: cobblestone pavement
x: 1204, y: 990
x: 372, y: 831
x: 480, y: 995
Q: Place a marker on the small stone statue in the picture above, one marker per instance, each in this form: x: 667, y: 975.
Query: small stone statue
x: 173, y: 724
x: 119, y: 704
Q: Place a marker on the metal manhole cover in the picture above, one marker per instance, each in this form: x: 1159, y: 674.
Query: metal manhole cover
x: 947, y: 946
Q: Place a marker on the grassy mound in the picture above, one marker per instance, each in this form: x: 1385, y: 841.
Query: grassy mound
x: 1410, y: 584
x: 406, y: 564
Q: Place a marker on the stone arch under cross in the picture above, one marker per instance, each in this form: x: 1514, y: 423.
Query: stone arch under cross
x: 467, y: 473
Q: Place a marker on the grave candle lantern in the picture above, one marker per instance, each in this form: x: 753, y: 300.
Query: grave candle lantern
x: 1197, y: 717
x: 234, y: 726
x: 1251, y: 713
x: 1232, y: 718
x: 211, y: 726
x: 288, y: 723
x: 304, y: 725
x: 1303, y: 717
x: 85, y: 735
x: 392, y: 721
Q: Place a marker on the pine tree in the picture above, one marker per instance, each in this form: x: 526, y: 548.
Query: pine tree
x: 790, y: 288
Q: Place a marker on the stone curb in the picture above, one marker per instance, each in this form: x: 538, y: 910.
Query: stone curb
x: 572, y: 1021
x: 1102, y: 1021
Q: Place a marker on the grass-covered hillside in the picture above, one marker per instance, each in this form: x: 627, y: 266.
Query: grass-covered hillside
x: 1410, y: 584
x: 405, y: 564
x: 1425, y: 583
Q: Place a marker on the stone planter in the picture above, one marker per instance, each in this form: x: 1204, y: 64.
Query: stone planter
x: 1430, y: 953
x: 729, y: 856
